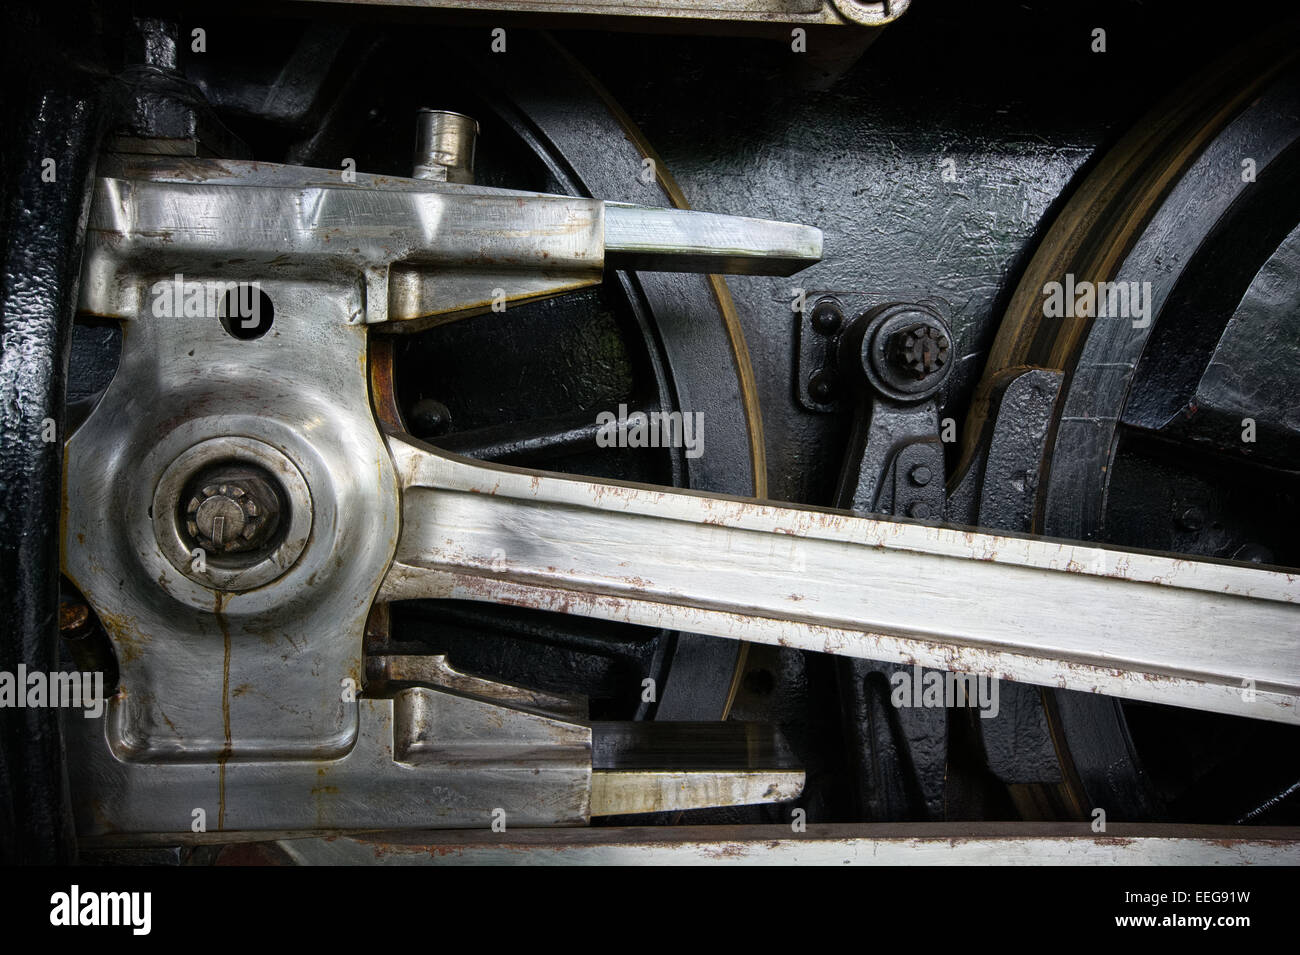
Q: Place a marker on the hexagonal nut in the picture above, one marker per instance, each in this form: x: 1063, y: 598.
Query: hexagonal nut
x: 232, y: 516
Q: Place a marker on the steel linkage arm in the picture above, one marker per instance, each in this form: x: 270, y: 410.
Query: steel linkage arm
x: 1203, y: 634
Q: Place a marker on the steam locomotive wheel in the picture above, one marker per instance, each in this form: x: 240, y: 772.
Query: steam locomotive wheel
x: 1153, y: 440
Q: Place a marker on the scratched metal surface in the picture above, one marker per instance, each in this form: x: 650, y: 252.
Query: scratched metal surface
x: 896, y: 844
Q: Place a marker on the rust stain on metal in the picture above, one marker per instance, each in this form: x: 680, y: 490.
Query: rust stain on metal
x: 130, y: 641
x: 383, y: 395
x: 73, y: 617
x: 219, y: 611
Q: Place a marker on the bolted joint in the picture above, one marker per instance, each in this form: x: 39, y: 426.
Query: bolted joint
x: 244, y: 503
x: 903, y: 350
x: 920, y: 350
x: 233, y: 515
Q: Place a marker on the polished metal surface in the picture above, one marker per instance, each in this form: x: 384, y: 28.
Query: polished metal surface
x: 437, y: 670
x: 1206, y: 634
x: 444, y: 146
x: 668, y: 766
x: 649, y: 790
x: 908, y: 844
x: 808, y: 12
x: 648, y: 238
x: 218, y: 668
x: 210, y: 567
x: 420, y: 757
x: 242, y: 688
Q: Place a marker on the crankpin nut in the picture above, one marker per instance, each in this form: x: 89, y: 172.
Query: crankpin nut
x: 233, y: 516
x: 232, y: 513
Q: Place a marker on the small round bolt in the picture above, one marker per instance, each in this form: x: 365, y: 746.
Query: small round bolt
x: 920, y: 510
x: 827, y: 318
x: 74, y: 619
x: 233, y: 515
x: 430, y: 418
x: 1255, y: 553
x: 1192, y: 519
x: 919, y: 350
x: 921, y: 475
x: 822, y: 386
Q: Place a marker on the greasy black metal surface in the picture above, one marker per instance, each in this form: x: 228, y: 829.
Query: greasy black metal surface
x: 864, y: 162
x: 553, y: 366
x: 1171, y: 478
x: 893, y: 464
x: 881, y: 430
x: 1168, y: 248
x: 897, y: 754
x: 51, y: 113
x: 817, y: 383
x: 1009, y: 481
x: 557, y: 100
x: 161, y: 106
x: 1254, y: 370
x: 1017, y: 742
x: 914, y: 483
x: 883, y: 346
x: 1019, y: 104
x: 1237, y: 368
x: 534, y: 442
x: 681, y: 745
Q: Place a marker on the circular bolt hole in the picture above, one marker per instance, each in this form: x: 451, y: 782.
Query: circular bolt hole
x: 246, y: 312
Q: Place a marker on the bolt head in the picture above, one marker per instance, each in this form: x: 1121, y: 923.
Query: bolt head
x: 232, y: 516
x: 827, y: 318
x: 430, y: 418
x: 822, y: 386
x: 919, y: 351
x: 921, y: 475
x: 1191, y: 519
x: 919, y: 510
